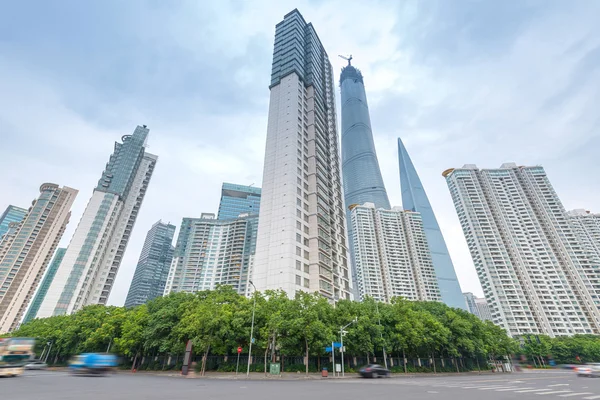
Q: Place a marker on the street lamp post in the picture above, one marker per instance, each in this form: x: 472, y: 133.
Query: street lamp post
x: 381, y: 333
x: 251, y: 330
x: 342, y: 340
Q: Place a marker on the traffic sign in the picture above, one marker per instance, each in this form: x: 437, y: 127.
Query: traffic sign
x: 328, y: 349
x: 239, y: 350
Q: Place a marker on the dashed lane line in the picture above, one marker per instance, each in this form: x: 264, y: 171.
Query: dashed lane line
x: 574, y: 394
x: 532, y: 390
x: 592, y: 397
x: 553, y: 392
x: 515, y: 388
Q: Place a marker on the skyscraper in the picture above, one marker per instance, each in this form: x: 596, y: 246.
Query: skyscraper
x: 211, y: 252
x: 535, y: 273
x: 391, y: 254
x: 153, y: 266
x: 360, y: 169
x: 414, y: 198
x: 46, y: 282
x: 11, y: 214
x: 87, y: 272
x: 238, y: 199
x: 27, y: 248
x: 478, y: 306
x: 302, y: 220
x: 587, y: 227
x: 471, y: 304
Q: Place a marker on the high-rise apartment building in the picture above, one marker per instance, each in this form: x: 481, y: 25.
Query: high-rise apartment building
x: 27, y: 249
x: 152, y: 270
x: 360, y: 168
x: 587, y: 227
x: 212, y: 252
x: 46, y: 282
x: 391, y: 254
x: 302, y: 220
x: 483, y: 309
x: 478, y: 306
x: 238, y: 199
x: 536, y: 275
x: 89, y: 267
x: 415, y: 199
x: 11, y: 214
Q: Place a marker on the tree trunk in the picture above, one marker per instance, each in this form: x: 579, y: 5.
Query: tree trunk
x: 273, y: 355
x: 433, y: 358
x: 134, y: 360
x: 368, y: 360
x: 56, y: 357
x: 456, y: 363
x: 306, y: 363
x: 478, y: 367
x: 266, y: 354
x: 204, y: 358
x: 404, y: 361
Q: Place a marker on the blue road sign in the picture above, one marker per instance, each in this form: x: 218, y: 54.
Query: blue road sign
x: 328, y: 349
x: 337, y: 345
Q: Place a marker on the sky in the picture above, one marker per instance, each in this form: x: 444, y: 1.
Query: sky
x: 461, y: 82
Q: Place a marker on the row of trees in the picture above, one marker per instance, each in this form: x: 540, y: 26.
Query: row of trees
x: 219, y: 321
x: 541, y: 350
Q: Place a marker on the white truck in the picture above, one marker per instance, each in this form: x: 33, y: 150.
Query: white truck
x: 14, y: 354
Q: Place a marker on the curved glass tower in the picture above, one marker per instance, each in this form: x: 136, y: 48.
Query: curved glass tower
x: 360, y: 169
x: 414, y: 198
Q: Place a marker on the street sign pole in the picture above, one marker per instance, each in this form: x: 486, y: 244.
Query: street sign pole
x: 333, y: 357
x: 238, y: 360
x: 342, y: 348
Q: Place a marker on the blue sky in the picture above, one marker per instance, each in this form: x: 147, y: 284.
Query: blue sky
x: 462, y: 81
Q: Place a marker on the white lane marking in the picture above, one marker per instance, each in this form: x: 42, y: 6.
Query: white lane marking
x: 432, y: 391
x: 497, y: 387
x: 554, y: 392
x: 574, y: 394
x: 592, y: 397
x: 533, y: 390
x: 559, y: 384
x: 516, y: 388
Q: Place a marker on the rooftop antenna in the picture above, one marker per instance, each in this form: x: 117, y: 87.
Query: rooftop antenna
x: 347, y: 58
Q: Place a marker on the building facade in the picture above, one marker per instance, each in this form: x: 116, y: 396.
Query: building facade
x: 238, y: 199
x: 587, y: 227
x: 152, y: 270
x: 360, y: 168
x: 483, y: 309
x: 391, y: 254
x: 27, y: 249
x: 415, y: 199
x: 301, y: 228
x: 89, y: 267
x: 212, y: 252
x: 11, y: 214
x: 535, y: 273
x: 470, y: 299
x: 46, y: 282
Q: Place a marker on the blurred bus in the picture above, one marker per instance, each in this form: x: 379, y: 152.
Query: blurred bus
x: 14, y: 354
x: 93, y: 363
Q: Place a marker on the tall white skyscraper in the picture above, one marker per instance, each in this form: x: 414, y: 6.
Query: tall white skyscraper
x: 212, y: 252
x: 535, y: 273
x: 587, y: 227
x: 391, y: 254
x: 301, y: 241
x: 89, y: 267
x: 27, y: 248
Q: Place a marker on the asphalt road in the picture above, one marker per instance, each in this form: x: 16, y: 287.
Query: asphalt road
x: 547, y: 385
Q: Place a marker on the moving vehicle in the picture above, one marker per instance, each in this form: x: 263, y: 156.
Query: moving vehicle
x: 591, y: 370
x: 374, y: 371
x: 36, y: 364
x: 14, y: 354
x: 93, y: 363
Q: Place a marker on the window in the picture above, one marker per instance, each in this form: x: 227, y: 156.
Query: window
x: 298, y: 251
x: 306, y: 283
x: 306, y: 242
x: 299, y: 202
x: 306, y: 254
x: 306, y: 269
x: 298, y: 225
x: 298, y: 238
x: 306, y: 230
x: 299, y: 191
x: 298, y: 280
x: 306, y: 217
x: 298, y: 213
x: 299, y: 181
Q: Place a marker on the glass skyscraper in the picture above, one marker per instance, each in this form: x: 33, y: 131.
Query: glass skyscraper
x: 153, y: 266
x: 360, y: 169
x: 89, y: 267
x: 46, y: 282
x: 238, y: 199
x: 11, y: 214
x: 301, y: 242
x: 414, y: 198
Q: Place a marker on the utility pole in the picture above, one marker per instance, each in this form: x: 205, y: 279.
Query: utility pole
x: 251, y: 330
x: 342, y: 333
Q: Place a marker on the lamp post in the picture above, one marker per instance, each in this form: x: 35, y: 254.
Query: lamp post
x: 342, y: 340
x: 381, y: 333
x: 251, y: 330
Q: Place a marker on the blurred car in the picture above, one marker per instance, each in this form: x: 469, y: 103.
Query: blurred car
x: 36, y: 364
x: 591, y: 370
x: 374, y: 371
x: 93, y: 363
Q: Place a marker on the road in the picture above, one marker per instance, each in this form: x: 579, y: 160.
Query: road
x: 546, y: 385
